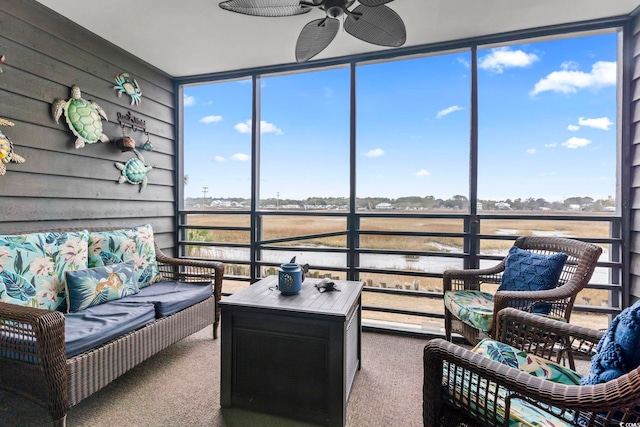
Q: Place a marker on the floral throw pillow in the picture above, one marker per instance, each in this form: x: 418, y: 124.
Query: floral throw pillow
x: 98, y: 285
x: 33, y: 266
x: 129, y: 244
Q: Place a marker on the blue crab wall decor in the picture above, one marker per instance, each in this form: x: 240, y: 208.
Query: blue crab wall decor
x: 127, y: 84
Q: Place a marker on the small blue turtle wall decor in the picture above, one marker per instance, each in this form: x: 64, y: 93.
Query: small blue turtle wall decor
x: 134, y: 171
x: 127, y: 84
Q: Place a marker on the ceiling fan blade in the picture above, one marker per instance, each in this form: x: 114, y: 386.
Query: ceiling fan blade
x: 374, y: 3
x: 269, y: 8
x: 315, y: 37
x: 379, y: 25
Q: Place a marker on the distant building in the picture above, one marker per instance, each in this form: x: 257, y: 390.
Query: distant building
x: 503, y: 206
x: 575, y: 207
x: 384, y: 206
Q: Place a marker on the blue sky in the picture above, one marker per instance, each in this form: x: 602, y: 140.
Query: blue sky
x: 547, y: 114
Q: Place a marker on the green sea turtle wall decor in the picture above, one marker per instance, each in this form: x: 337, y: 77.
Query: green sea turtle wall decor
x: 127, y: 84
x: 134, y: 171
x: 6, y: 149
x: 83, y: 117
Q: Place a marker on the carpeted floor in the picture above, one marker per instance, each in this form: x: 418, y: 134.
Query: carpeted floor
x: 180, y: 388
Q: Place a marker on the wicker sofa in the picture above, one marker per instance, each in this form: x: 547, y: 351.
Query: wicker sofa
x: 34, y: 355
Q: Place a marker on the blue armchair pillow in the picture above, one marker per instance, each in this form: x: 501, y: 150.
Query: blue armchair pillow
x: 98, y: 285
x: 530, y: 271
x: 618, y: 351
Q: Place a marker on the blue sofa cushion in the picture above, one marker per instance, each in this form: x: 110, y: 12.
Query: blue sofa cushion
x: 169, y: 297
x: 99, y: 324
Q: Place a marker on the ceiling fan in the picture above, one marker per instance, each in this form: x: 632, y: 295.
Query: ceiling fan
x: 371, y: 21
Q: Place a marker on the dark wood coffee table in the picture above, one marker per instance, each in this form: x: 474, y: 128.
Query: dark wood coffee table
x: 295, y: 356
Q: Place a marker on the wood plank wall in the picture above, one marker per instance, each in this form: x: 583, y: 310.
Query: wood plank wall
x: 59, y: 185
x: 635, y: 164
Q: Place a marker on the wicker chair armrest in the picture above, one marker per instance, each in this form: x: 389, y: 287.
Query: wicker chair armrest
x: 471, y: 278
x: 523, y: 299
x: 542, y: 335
x: 615, y: 395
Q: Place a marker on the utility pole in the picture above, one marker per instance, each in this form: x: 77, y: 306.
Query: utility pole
x: 277, y: 200
x: 204, y: 195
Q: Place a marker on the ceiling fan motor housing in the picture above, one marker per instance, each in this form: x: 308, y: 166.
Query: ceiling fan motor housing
x: 336, y: 8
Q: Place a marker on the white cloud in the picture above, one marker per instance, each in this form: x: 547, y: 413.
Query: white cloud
x: 531, y: 151
x: 575, y: 142
x: 243, y: 127
x: 210, y: 119
x: 240, y: 157
x: 422, y: 172
x: 569, y: 65
x: 188, y: 101
x: 573, y: 128
x: 570, y: 81
x: 553, y: 144
x: 219, y: 159
x: 464, y: 62
x: 265, y: 127
x: 446, y: 111
x: 504, y: 57
x: 601, y: 123
x: 376, y: 152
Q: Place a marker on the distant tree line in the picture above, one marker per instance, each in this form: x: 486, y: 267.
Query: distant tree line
x: 415, y: 203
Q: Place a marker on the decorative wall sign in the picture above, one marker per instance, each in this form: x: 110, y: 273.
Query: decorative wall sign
x: 127, y: 84
x: 134, y: 171
x: 135, y: 123
x: 6, y: 149
x: 83, y: 117
x: 132, y: 121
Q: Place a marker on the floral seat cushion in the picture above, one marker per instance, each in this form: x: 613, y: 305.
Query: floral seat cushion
x: 475, y: 308
x: 534, y: 365
x: 486, y: 397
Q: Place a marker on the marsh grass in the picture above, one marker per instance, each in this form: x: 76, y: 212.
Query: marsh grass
x: 275, y: 227
x: 292, y: 226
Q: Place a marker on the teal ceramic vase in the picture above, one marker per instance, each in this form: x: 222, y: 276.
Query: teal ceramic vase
x: 289, y: 279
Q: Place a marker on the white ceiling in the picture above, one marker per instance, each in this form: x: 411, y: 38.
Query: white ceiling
x: 191, y: 37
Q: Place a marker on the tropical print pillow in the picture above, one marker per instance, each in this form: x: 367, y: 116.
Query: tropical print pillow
x: 98, y: 285
x: 534, y: 365
x: 33, y: 266
x: 130, y: 244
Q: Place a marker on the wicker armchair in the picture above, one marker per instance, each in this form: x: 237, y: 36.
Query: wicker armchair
x: 576, y: 273
x: 463, y: 388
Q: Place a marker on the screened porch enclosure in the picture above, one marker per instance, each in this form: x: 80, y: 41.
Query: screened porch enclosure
x: 393, y: 170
